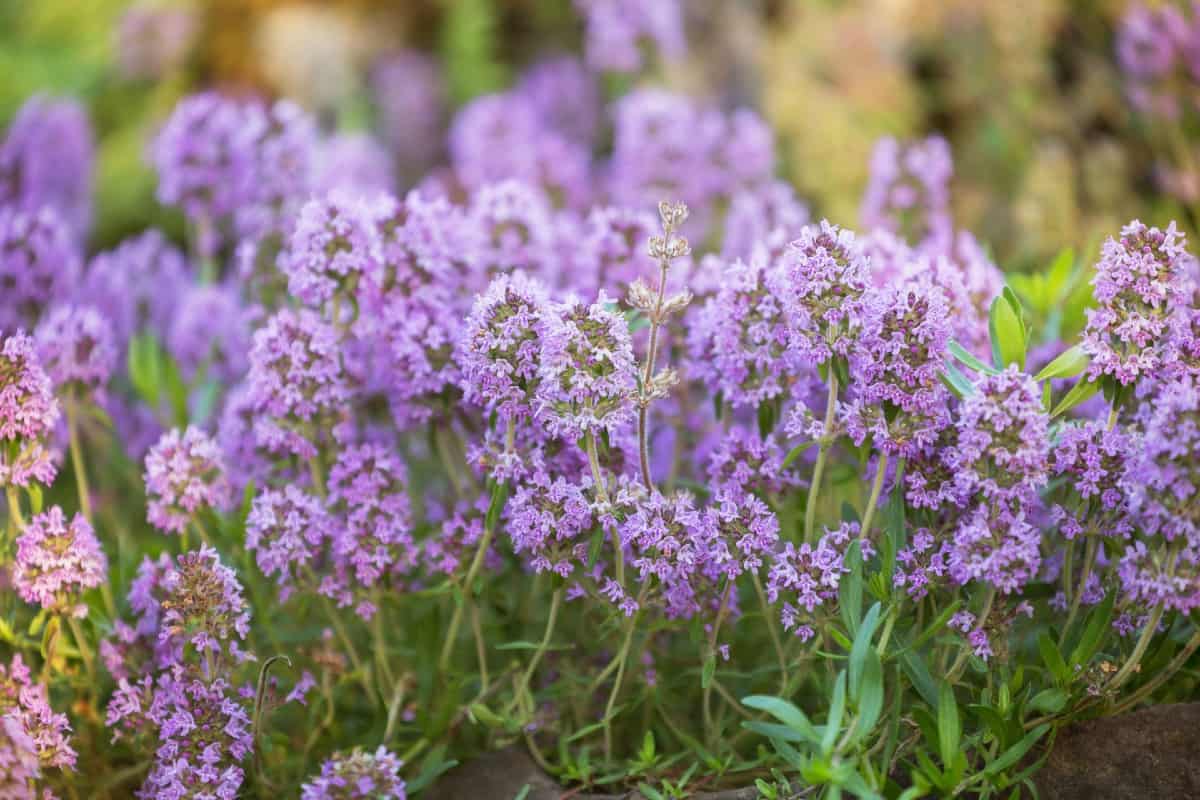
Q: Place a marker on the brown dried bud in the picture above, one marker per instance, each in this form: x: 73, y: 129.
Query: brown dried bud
x: 660, y: 385
x: 673, y: 215
x: 641, y: 296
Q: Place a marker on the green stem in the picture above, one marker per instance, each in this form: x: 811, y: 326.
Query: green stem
x: 318, y: 476
x: 460, y: 606
x: 814, y: 489
x: 480, y: 647
x: 1076, y: 593
x: 769, y: 621
x: 85, y: 650
x: 647, y: 374
x: 876, y: 489
x: 547, y: 634
x: 81, y: 480
x: 706, y: 707
x: 16, y: 520
x: 1139, y: 650
x: 351, y: 650
x: 965, y: 652
x: 602, y: 497
x: 1162, y: 677
x: 622, y: 659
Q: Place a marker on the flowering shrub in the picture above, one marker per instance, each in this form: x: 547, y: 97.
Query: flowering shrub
x: 354, y: 484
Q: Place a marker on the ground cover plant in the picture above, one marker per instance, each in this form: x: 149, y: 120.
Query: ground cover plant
x: 593, y: 439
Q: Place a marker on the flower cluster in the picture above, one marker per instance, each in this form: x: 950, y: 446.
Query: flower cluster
x: 547, y: 519
x: 185, y: 474
x: 359, y: 774
x: 76, y: 349
x: 617, y: 29
x: 287, y: 530
x: 28, y: 414
x: 39, y: 263
x: 57, y: 561
x: 33, y: 737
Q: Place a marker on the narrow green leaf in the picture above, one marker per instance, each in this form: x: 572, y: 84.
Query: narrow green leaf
x: 1098, y: 623
x: 1013, y: 754
x: 948, y: 724
x: 706, y: 673
x: 785, y: 712
x: 773, y: 730
x: 1069, y: 363
x: 795, y: 453
x: 862, y: 646
x: 851, y: 588
x: 1052, y: 658
x: 1049, y: 701
x: 1007, y: 331
x: 837, y: 710
x: 966, y: 357
x: 956, y: 381
x: 914, y: 666
x: 1081, y: 392
x: 939, y: 622
x: 870, y: 700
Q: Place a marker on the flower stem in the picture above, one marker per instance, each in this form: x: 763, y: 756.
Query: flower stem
x: 551, y: 621
x: 1139, y: 650
x: 460, y: 607
x: 1089, y: 561
x: 81, y: 480
x: 814, y: 489
x: 602, y: 497
x: 876, y: 489
x: 1162, y: 677
x: 769, y: 621
x: 622, y: 659
x: 85, y: 650
x: 351, y: 650
x: 647, y: 374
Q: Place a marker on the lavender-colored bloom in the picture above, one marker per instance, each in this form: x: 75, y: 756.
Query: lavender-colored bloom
x: 747, y: 355
x: 33, y: 738
x: 768, y: 216
x: 152, y: 39
x: 922, y: 565
x: 587, y: 370
x: 285, y: 163
x: 738, y: 534
x: 1002, y: 452
x: 500, y: 347
x: 809, y: 576
x: 451, y: 548
x: 744, y: 461
x: 39, y: 263
x: 185, y: 474
x: 1137, y: 279
x: 287, y: 530
x: 296, y: 381
x: 662, y: 533
x: 565, y: 96
x: 411, y: 97
x: 515, y: 230
x: 909, y: 190
x: 368, y: 490
x: 76, y: 347
x: 970, y: 281
x: 210, y: 330
x: 1164, y: 472
x: 1000, y: 550
x: 617, y: 30
x: 28, y: 414
x: 547, y: 520
x: 136, y: 285
x: 823, y: 278
x: 202, y: 728
x: 1146, y: 41
x: 1151, y: 576
x: 245, y: 459
x: 898, y: 397
x: 501, y: 137
x: 46, y: 161
x: 612, y: 251
x: 348, y: 776
x: 353, y: 162
x: 1093, y: 458
x: 205, y: 156
x: 202, y: 605
x: 333, y: 247
x: 57, y: 561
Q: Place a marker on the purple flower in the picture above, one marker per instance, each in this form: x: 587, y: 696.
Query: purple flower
x: 822, y: 280
x: 136, y: 286
x: 358, y: 774
x: 33, y: 737
x: 355, y: 163
x: 450, y: 549
x: 744, y: 461
x: 617, y: 30
x: 587, y: 375
x: 1163, y: 472
x: 768, y: 216
x: 898, y: 398
x: 1146, y: 41
x: 210, y: 331
x: 909, y: 190
x: 565, y: 95
x: 922, y: 565
x: 28, y: 414
x: 202, y: 605
x: 1156, y: 575
x: 56, y: 562
x: 661, y: 533
x: 809, y: 577
x: 410, y: 94
x: 1137, y: 278
x: 287, y: 530
x: 285, y: 156
x: 1093, y: 458
x: 368, y: 491
x: 1002, y: 453
x: 185, y: 474
x: 76, y: 347
x: 333, y: 247
x: 296, y: 381
x: 46, y: 160
x: 746, y: 354
x: 515, y: 229
x: 1002, y: 551
x: 499, y: 351
x: 738, y: 533
x: 612, y: 252
x: 39, y: 264
x: 547, y: 520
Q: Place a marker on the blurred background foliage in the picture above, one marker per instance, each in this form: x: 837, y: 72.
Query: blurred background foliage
x: 1047, y: 150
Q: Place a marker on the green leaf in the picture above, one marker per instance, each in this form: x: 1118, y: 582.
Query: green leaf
x: 1069, y: 363
x: 1007, y: 331
x: 1097, y: 626
x: 862, y: 646
x: 956, y: 381
x: 144, y: 366
x: 177, y: 391
x: 966, y: 357
x: 522, y: 645
x: 785, y: 712
x: 795, y: 453
x: 773, y: 730
x: 948, y: 724
x: 914, y: 666
x: 496, y: 505
x: 1053, y: 659
x: 521, y: 795
x: 937, y: 624
x: 851, y: 589
x: 1049, y: 701
x: 1013, y: 754
x: 870, y: 699
x: 837, y: 710
x: 1081, y: 392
